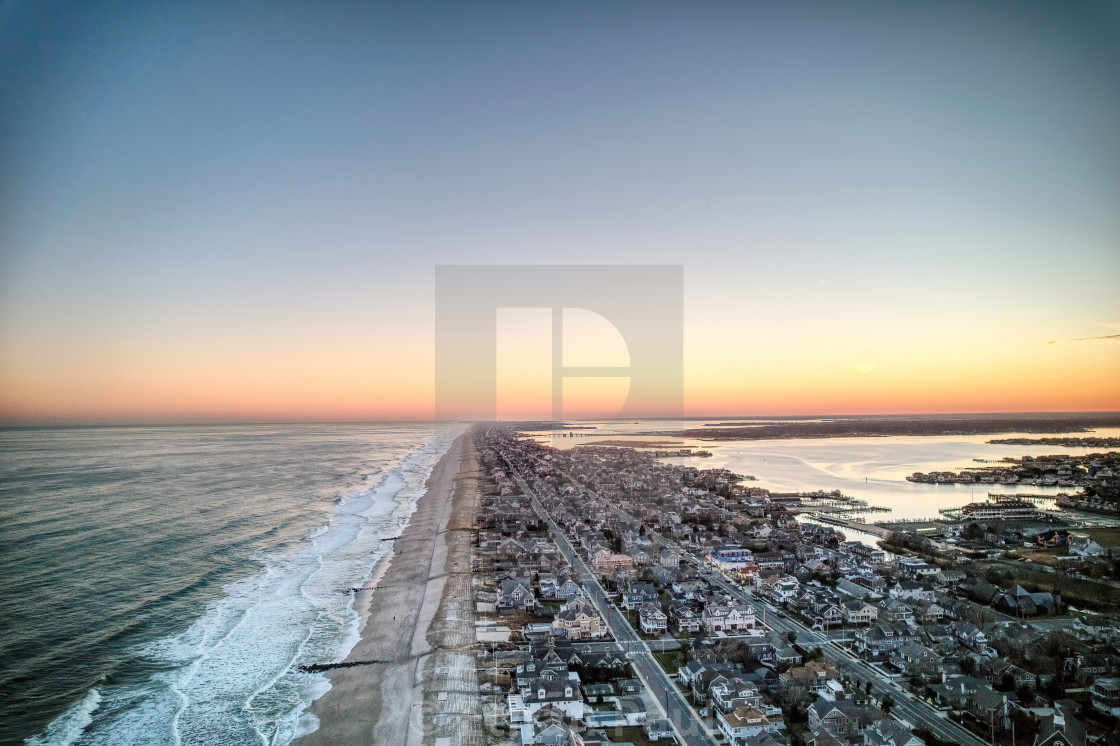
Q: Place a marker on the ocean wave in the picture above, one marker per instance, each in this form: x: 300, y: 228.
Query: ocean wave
x: 68, y: 727
x: 234, y: 672
x: 317, y: 532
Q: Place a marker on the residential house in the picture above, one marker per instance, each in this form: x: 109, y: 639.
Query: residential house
x: 912, y: 590
x: 914, y: 567
x: 689, y: 588
x: 719, y: 618
x: 864, y: 553
x: 882, y: 639
x: 1105, y: 696
x: 896, y: 610
x: 969, y: 634
x: 604, y: 561
x: 731, y: 557
x: 840, y: 717
x: 996, y: 670
x: 958, y: 692
x: 915, y: 659
x: 653, y: 620
x: 929, y: 611
x: 580, y: 620
x: 745, y: 722
x: 515, y: 594
x: 637, y: 594
x: 700, y: 683
x: 1017, y: 601
x: 684, y: 618
x: 812, y: 677
x: 858, y: 612
x: 890, y: 733
x: 824, y: 615
x: 560, y: 587
x: 938, y: 635
x: 780, y: 589
x: 950, y: 577
x: 993, y: 708
x: 561, y: 693
x: 877, y: 584
x: 1080, y: 545
x: 729, y: 692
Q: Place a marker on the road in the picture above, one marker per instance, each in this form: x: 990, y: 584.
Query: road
x: 614, y: 647
x: 907, y: 707
x: 687, y: 725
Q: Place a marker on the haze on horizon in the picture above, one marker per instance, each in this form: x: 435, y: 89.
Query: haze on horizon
x: 231, y: 212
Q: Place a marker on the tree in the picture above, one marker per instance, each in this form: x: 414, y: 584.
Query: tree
x: 968, y: 665
x: 791, y: 636
x: 795, y: 704
x: 1026, y: 725
x: 994, y: 576
x: 887, y: 704
x: 1053, y: 688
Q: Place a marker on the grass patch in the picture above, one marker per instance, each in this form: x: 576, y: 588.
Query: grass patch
x: 1106, y: 537
x: 635, y: 734
x: 670, y: 660
x: 1042, y: 558
x: 1078, y: 592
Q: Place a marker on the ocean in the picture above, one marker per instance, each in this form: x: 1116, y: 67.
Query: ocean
x: 161, y: 585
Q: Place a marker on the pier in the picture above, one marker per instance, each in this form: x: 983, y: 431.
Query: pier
x: 1037, y: 499
x: 867, y: 528
x: 825, y: 503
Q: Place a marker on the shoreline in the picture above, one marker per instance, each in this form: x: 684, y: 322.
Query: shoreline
x: 382, y: 702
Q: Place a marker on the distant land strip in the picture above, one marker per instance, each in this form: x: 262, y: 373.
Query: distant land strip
x: 923, y: 426
x: 1088, y: 442
x: 636, y: 444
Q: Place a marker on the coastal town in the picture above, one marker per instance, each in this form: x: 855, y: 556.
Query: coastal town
x: 617, y: 598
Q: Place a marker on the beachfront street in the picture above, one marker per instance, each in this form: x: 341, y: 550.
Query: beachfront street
x: 690, y: 729
x: 907, y: 708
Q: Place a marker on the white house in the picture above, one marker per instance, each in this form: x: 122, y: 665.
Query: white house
x: 653, y: 619
x: 580, y: 620
x: 744, y: 722
x: 726, y: 618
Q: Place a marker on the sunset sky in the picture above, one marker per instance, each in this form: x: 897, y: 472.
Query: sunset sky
x: 233, y: 211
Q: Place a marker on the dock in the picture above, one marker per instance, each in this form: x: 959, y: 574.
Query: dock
x: 867, y: 528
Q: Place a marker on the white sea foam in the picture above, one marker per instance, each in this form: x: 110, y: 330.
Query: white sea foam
x: 68, y: 727
x: 234, y: 671
x: 317, y: 532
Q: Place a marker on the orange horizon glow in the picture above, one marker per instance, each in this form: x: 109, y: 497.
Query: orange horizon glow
x: 330, y: 380
x: 255, y: 403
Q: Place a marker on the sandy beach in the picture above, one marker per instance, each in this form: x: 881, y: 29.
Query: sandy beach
x: 382, y: 703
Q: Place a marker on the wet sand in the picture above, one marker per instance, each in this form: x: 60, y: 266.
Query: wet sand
x: 381, y: 703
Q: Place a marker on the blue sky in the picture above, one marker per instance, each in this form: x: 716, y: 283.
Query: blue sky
x: 228, y: 178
